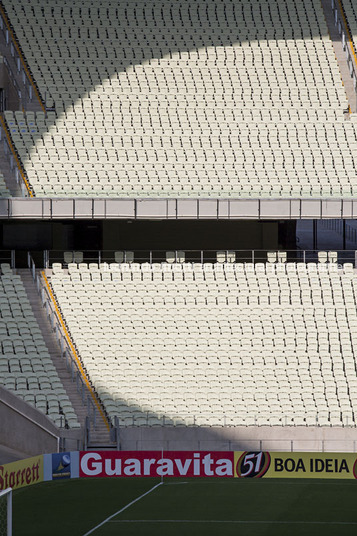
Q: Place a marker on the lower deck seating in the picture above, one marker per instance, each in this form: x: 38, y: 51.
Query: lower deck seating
x: 26, y: 367
x: 216, y: 344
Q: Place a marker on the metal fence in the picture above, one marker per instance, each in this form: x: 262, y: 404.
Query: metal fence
x: 195, y: 256
x: 8, y: 257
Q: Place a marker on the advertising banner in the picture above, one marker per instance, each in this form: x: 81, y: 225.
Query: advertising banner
x: 218, y: 464
x: 295, y: 465
x: 155, y: 463
x: 188, y: 464
x: 22, y: 473
x: 61, y: 465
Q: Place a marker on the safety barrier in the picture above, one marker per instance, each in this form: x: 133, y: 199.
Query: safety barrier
x: 10, y: 152
x: 30, y: 87
x: 77, y: 373
x: 346, y: 38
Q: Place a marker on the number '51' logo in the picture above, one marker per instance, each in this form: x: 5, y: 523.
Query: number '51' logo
x: 253, y: 464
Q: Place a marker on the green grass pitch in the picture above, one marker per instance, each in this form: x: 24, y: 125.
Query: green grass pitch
x: 239, y: 507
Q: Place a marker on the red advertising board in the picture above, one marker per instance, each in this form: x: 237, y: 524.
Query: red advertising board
x: 156, y: 463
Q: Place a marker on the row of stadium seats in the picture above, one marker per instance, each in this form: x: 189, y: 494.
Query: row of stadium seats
x: 243, y: 113
x: 62, y: 55
x: 26, y: 367
x: 234, y: 345
x: 255, y: 159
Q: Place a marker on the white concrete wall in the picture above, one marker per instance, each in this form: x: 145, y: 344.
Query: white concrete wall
x: 310, y: 439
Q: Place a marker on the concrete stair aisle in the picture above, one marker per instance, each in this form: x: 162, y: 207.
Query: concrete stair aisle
x: 340, y: 54
x: 98, y: 436
x: 26, y: 104
x: 9, y: 174
x: 14, y: 104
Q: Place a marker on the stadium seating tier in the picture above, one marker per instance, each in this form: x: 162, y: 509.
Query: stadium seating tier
x: 26, y: 367
x: 216, y: 344
x: 229, y: 99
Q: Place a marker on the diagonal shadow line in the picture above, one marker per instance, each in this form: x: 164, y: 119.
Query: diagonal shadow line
x: 200, y: 23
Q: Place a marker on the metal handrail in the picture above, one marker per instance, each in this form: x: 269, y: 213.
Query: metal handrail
x: 66, y: 351
x: 10, y: 40
x: 342, y: 26
x: 115, y: 433
x: 13, y: 156
x: 200, y: 256
x: 12, y: 77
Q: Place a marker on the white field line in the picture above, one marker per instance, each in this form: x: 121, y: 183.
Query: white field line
x: 174, y: 483
x: 108, y: 519
x: 233, y: 522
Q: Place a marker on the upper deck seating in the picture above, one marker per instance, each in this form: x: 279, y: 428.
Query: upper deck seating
x: 228, y: 99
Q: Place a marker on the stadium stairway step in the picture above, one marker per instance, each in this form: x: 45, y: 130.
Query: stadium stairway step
x: 340, y: 54
x: 99, y: 436
x: 14, y: 104
x: 26, y: 103
x: 79, y: 407
x: 9, y: 174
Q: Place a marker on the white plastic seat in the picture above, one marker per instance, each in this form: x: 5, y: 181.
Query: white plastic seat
x: 28, y: 366
x: 215, y: 343
x: 298, y: 89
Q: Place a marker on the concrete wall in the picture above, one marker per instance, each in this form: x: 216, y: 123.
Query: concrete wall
x: 177, y: 209
x: 287, y: 438
x: 25, y: 429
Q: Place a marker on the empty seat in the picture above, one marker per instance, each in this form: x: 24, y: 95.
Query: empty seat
x: 26, y: 367
x: 207, y: 118
x: 187, y: 342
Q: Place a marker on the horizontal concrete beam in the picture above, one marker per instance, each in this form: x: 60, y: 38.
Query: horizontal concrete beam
x: 176, y: 209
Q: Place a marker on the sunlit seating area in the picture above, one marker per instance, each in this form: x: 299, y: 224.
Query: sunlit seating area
x: 217, y: 344
x: 249, y: 103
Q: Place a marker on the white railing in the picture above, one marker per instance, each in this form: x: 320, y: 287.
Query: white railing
x: 27, y: 94
x: 13, y: 166
x: 347, y: 47
x: 195, y: 256
x: 189, y: 421
x: 6, y: 513
x: 66, y: 351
